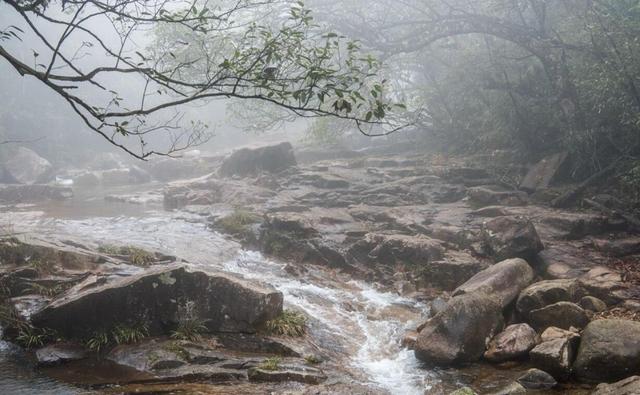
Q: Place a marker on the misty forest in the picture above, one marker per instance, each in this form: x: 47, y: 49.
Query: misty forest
x: 323, y: 197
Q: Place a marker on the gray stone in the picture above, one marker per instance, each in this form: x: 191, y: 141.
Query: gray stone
x: 156, y: 296
x: 609, y: 350
x: 24, y: 166
x: 536, y: 379
x: 247, y: 161
x: 502, y: 281
x: 544, y: 293
x: 562, y: 315
x: 592, y: 303
x: 59, y: 353
x: 511, y: 237
x: 461, y: 332
x: 511, y: 389
x: 513, y: 343
x: 543, y: 172
x: 482, y: 196
x: 555, y: 357
x: 628, y: 386
x: 605, y: 284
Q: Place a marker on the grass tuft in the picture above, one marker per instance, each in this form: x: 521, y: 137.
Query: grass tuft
x: 289, y: 323
x: 238, y: 221
x: 270, y: 364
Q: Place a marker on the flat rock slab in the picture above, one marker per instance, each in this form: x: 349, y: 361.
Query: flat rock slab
x: 59, y: 353
x: 543, y: 172
x: 157, y: 296
x: 286, y: 373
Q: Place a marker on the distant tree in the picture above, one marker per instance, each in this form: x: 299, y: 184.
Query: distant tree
x: 161, y: 55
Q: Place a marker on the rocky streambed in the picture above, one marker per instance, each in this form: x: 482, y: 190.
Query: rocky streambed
x: 368, y: 274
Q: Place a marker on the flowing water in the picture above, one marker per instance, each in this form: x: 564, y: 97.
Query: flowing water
x: 353, y: 320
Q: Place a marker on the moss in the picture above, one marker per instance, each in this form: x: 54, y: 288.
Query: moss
x: 238, y: 221
x: 289, y: 323
x: 312, y: 359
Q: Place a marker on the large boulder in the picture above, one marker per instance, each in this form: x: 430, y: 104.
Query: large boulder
x: 605, y: 284
x: 511, y: 237
x: 543, y: 172
x: 396, y: 248
x: 502, y: 281
x: 161, y: 297
x: 628, y: 386
x: 544, y: 293
x: 247, y: 161
x: 56, y: 353
x: 562, y: 315
x: 609, y: 350
x: 23, y: 166
x: 513, y: 343
x: 461, y: 332
x: 451, y: 271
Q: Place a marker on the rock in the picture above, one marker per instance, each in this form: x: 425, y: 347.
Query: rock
x: 12, y: 194
x: 562, y: 315
x: 544, y: 293
x: 618, y: 247
x: 390, y: 249
x: 409, y: 340
x: 460, y: 332
x: 159, y: 296
x: 511, y: 237
x: 24, y: 166
x: 87, y: 179
x: 605, y: 284
x: 482, y: 196
x: 552, y: 333
x: 464, y: 391
x: 246, y: 161
x: 167, y: 169
x: 609, y: 350
x: 106, y: 161
x: 284, y: 373
x: 451, y: 271
x: 513, y: 343
x: 490, y: 212
x: 511, y: 389
x: 573, y: 226
x: 554, y: 356
x: 59, y: 353
x: 592, y: 303
x: 543, y: 172
x: 502, y: 281
x: 628, y: 386
x: 536, y: 379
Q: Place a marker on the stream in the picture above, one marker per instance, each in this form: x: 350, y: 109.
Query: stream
x: 351, y: 320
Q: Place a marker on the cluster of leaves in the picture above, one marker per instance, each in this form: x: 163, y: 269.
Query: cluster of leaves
x: 289, y: 323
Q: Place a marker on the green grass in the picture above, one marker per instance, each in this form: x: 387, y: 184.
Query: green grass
x: 137, y: 256
x: 30, y: 337
x: 238, y: 221
x: 190, y: 326
x: 289, y: 323
x: 177, y: 349
x: 123, y: 334
x: 48, y: 291
x: 98, y: 341
x: 270, y: 364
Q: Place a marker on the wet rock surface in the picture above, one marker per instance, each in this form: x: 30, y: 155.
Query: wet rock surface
x: 409, y: 226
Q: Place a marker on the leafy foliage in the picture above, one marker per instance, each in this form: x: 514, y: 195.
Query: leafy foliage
x: 237, y: 221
